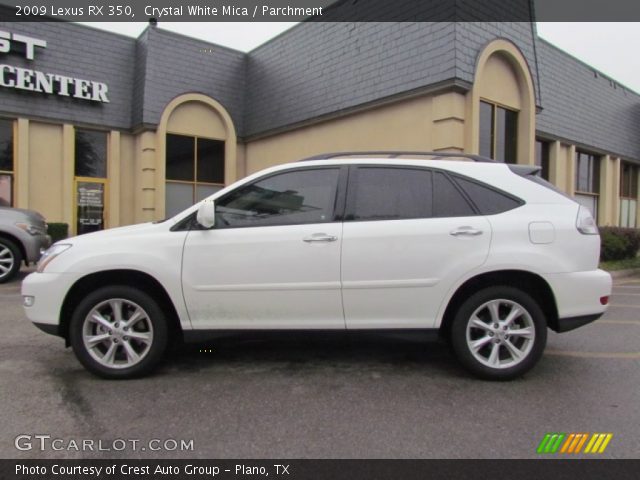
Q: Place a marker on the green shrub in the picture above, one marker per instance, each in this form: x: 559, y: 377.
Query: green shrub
x: 58, y: 231
x: 618, y: 243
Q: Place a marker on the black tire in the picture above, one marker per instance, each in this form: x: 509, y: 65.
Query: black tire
x: 151, y: 323
x: 10, y: 258
x: 501, y: 300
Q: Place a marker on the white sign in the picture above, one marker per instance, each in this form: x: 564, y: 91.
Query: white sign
x: 49, y: 83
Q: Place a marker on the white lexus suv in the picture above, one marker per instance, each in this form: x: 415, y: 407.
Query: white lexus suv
x: 487, y: 254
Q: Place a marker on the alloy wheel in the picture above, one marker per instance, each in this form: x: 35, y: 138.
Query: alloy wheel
x: 500, y: 333
x: 117, y: 333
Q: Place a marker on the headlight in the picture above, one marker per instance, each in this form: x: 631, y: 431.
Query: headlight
x: 51, y: 253
x: 30, y: 229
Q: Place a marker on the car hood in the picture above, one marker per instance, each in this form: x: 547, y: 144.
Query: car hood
x: 113, y: 234
x: 21, y: 214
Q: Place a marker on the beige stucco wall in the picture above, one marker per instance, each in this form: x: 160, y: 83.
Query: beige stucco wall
x: 609, y: 201
x: 45, y: 182
x: 127, y: 176
x: 499, y: 83
x: 405, y: 125
x: 562, y: 166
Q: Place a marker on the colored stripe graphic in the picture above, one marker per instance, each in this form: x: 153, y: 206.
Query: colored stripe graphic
x: 573, y: 443
x: 551, y: 442
x: 598, y: 443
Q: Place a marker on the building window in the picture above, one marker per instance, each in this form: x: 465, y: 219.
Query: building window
x: 542, y: 157
x: 91, y: 180
x: 91, y: 154
x: 498, y: 133
x: 194, y: 170
x: 6, y: 163
x: 629, y: 195
x: 587, y: 181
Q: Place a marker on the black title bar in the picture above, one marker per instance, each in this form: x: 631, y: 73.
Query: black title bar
x: 318, y: 469
x: 320, y: 10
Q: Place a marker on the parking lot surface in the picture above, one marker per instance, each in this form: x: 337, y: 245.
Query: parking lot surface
x: 322, y: 398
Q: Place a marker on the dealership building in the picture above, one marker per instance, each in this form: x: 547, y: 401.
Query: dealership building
x: 99, y: 130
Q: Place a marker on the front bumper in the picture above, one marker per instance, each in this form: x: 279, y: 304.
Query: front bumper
x: 35, y: 245
x: 578, y: 297
x: 48, y: 291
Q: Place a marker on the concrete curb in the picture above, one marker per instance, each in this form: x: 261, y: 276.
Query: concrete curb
x: 625, y: 273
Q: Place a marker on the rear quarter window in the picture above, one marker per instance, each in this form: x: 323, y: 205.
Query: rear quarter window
x: 487, y: 200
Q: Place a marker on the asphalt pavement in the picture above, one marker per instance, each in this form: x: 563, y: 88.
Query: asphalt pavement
x: 320, y: 398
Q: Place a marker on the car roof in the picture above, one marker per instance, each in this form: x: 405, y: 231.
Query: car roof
x: 395, y: 154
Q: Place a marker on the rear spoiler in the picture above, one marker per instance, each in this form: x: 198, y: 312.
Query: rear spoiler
x: 525, y: 170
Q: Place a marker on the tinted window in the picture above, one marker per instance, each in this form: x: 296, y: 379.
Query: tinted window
x: 587, y: 173
x: 305, y: 196
x: 542, y: 157
x: 448, y: 201
x: 210, y: 161
x: 391, y: 194
x: 488, y: 200
x: 6, y: 145
x: 506, y: 135
x: 180, y: 158
x: 486, y: 130
x: 91, y: 154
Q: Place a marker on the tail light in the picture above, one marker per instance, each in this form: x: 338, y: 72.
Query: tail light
x: 585, y: 222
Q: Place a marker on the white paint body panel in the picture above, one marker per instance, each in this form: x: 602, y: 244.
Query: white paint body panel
x: 263, y: 277
x: 395, y: 273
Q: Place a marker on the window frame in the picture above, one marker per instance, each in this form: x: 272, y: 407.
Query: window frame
x: 631, y: 221
x: 195, y: 183
x: 494, y: 128
x: 634, y: 168
x: 596, y: 173
x: 11, y: 173
x: 545, y: 160
x: 595, y: 180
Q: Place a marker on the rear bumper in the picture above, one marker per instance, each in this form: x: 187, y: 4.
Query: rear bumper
x: 578, y: 297
x: 571, y: 323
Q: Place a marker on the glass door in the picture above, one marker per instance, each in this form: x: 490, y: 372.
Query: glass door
x: 90, y: 205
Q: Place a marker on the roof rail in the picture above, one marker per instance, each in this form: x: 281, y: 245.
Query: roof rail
x: 399, y: 153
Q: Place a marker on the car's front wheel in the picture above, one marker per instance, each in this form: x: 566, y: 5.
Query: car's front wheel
x: 10, y: 259
x: 499, y: 333
x: 118, y: 332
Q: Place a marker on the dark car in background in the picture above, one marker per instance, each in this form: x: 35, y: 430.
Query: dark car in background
x: 23, y: 237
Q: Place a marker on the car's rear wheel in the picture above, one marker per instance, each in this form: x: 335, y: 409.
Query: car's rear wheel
x: 10, y: 259
x: 499, y: 333
x: 118, y: 332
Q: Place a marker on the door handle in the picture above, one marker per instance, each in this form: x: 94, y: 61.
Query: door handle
x: 466, y: 232
x: 320, y: 237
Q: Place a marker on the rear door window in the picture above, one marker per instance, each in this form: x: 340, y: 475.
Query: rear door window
x: 390, y: 193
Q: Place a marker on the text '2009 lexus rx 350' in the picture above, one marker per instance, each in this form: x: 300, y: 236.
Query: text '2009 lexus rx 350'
x: 487, y: 254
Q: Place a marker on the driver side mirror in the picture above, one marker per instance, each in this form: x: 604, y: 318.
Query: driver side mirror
x: 206, y: 215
